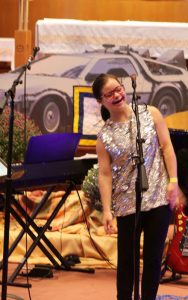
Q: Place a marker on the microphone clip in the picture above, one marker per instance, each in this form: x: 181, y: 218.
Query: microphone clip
x: 133, y: 79
x: 32, y: 57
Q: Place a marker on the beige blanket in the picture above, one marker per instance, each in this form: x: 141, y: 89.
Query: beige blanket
x: 77, y: 229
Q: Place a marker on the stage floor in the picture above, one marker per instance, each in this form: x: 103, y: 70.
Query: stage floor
x: 83, y: 286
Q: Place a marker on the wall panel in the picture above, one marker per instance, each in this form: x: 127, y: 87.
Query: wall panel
x: 8, y: 17
x: 141, y: 10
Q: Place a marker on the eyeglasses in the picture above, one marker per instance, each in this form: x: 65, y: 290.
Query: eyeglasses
x: 109, y: 95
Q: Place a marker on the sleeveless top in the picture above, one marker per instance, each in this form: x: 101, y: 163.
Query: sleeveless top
x: 119, y: 139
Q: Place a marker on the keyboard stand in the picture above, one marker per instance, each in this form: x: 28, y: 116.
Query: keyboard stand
x: 39, y: 234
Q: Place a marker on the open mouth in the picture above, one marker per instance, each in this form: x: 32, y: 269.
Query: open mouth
x: 117, y: 101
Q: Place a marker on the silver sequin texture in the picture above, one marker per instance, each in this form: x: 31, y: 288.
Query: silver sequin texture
x: 119, y: 139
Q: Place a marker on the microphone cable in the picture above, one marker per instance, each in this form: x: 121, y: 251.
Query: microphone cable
x: 25, y: 193
x: 99, y: 251
x: 27, y: 66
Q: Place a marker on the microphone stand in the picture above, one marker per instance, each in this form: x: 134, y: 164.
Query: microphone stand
x: 10, y: 94
x: 141, y: 185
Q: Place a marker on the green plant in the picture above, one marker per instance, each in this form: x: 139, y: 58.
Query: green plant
x: 19, y: 144
x: 90, y: 188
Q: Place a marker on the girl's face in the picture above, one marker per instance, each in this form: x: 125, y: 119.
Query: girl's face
x: 113, y: 95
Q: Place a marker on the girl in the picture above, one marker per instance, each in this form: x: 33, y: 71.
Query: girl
x: 116, y: 146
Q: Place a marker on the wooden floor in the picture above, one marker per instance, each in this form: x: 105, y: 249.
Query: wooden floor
x: 65, y: 285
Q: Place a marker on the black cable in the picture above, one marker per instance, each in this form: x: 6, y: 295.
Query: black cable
x: 101, y: 253
x: 25, y: 195
x: 26, y: 244
x: 14, y: 297
x: 64, y: 209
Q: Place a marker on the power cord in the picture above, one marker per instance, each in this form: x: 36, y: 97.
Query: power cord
x: 26, y: 245
x: 14, y: 297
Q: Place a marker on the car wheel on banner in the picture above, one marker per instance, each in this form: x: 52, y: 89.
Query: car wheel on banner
x: 51, y: 114
x: 167, y: 101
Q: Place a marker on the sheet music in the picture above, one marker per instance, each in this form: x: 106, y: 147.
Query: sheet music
x: 3, y: 168
x: 86, y: 156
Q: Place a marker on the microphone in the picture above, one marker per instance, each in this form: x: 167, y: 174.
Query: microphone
x: 35, y: 50
x: 32, y: 57
x: 133, y: 78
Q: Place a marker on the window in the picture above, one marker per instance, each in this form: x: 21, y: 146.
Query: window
x: 159, y: 69
x: 120, y: 67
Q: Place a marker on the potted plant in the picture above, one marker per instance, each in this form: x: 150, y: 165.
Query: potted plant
x: 20, y: 131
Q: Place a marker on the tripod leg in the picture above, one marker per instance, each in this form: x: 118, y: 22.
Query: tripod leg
x: 164, y: 268
x: 38, y: 231
x: 6, y: 240
x: 173, y: 277
x: 38, y: 208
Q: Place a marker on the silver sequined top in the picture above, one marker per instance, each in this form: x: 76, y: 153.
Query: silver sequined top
x: 119, y: 139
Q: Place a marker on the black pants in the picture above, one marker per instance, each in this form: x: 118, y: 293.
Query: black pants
x: 154, y: 225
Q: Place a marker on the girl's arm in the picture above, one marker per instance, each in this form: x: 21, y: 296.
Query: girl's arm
x: 168, y: 154
x: 105, y: 185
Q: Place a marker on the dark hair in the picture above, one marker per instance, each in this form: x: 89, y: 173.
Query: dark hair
x: 99, y: 82
x: 105, y: 114
x: 97, y: 86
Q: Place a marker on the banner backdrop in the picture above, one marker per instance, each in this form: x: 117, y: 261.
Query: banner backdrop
x: 73, y: 53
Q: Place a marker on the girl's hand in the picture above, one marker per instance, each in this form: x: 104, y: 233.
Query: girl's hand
x: 108, y: 222
x: 172, y: 194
